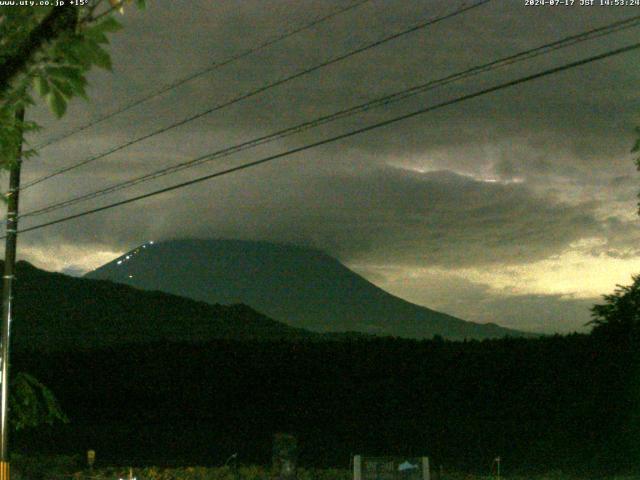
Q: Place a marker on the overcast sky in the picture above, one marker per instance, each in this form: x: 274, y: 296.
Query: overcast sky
x: 518, y: 207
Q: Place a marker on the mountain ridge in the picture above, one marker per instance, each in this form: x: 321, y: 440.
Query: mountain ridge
x: 55, y: 311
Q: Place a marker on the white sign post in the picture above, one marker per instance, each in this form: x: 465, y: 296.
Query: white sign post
x: 391, y: 468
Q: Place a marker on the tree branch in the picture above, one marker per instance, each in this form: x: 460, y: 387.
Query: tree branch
x: 58, y: 21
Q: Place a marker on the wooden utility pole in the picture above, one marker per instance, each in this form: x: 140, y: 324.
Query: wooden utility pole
x: 7, y: 301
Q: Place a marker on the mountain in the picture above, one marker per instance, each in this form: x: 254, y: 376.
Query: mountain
x: 302, y: 287
x: 56, y: 311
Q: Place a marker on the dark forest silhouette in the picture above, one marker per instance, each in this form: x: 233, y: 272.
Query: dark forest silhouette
x: 557, y: 402
x: 568, y: 402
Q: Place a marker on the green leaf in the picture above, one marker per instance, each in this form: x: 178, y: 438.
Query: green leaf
x: 98, y: 32
x: 57, y: 103
x: 101, y: 58
x: 141, y: 4
x: 29, y: 153
x: 89, y: 52
x: 63, y: 72
x: 78, y: 54
x: 69, y: 80
x: 41, y: 85
x: 109, y: 25
x: 97, y: 36
x: 65, y: 87
x: 78, y: 85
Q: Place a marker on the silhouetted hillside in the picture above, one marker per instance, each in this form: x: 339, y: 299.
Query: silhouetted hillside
x: 57, y: 311
x: 299, y: 286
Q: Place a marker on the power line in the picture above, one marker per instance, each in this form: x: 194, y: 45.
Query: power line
x: 258, y: 91
x: 343, y: 136
x: 199, y: 73
x: 261, y: 89
x: 375, y: 103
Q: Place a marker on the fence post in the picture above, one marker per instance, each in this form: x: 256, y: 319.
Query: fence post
x: 357, y: 467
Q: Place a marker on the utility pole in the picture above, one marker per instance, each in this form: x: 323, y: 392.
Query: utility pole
x: 7, y: 300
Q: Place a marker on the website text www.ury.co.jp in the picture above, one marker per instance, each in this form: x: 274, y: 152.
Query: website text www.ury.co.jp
x: 43, y: 3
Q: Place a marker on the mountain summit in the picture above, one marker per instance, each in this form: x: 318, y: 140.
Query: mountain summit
x: 299, y: 286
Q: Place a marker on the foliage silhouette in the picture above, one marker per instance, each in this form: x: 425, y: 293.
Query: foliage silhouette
x: 620, y: 313
x: 554, y: 402
x: 33, y: 404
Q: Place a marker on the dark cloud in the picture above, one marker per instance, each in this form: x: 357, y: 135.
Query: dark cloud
x: 411, y: 218
x: 622, y: 239
x: 513, y: 177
